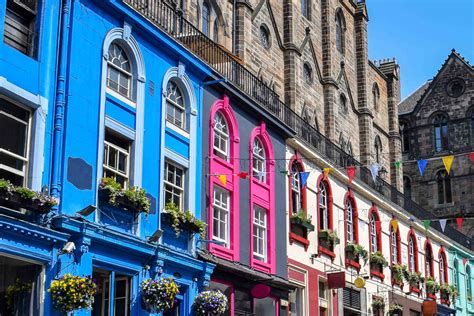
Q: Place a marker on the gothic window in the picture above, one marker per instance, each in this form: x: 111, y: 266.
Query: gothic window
x: 215, y: 31
x: 259, y: 163
x: 306, y: 8
x: 221, y: 137
x: 343, y: 103
x: 407, y: 187
x: 405, y: 137
x: 375, y: 96
x: 307, y: 73
x: 264, y: 36
x: 175, y: 107
x: 443, y: 183
x: 429, y: 267
x: 378, y: 149
x: 205, y: 18
x: 119, y: 71
x: 296, y: 189
x: 340, y: 31
x: 375, y: 240
x: 395, y: 245
x: 412, y: 252
x: 440, y: 129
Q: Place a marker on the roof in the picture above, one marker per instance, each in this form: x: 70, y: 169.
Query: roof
x: 409, y: 103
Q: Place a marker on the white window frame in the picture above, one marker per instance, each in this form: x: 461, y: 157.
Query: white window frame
x: 323, y: 206
x: 125, y: 152
x: 173, y: 185
x: 411, y: 255
x: 441, y: 270
x: 296, y: 188
x: 259, y: 160
x: 220, y: 127
x: 122, y: 72
x: 373, y: 234
x: 262, y: 236
x: 223, y: 207
x: 394, y: 246
x: 176, y: 107
x: 106, y: 298
x: 350, y: 222
x: 24, y: 173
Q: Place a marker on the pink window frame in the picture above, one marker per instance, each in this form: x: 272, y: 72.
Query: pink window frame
x: 217, y: 165
x: 263, y: 195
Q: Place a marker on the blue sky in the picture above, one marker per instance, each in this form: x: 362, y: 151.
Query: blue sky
x: 420, y: 35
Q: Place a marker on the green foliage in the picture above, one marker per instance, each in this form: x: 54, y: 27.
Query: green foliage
x: 134, y: 195
x: 358, y: 251
x: 25, y: 193
x: 446, y: 290
x: 454, y: 292
x: 180, y: 219
x: 6, y: 186
x: 398, y: 272
x: 414, y: 278
x: 378, y: 304
x: 394, y: 308
x: 378, y: 259
x: 302, y: 217
x: 431, y: 285
x: 329, y: 236
x: 14, y: 290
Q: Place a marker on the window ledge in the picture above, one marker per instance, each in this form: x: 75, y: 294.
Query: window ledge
x: 327, y: 252
x: 352, y: 263
x: 261, y: 266
x: 178, y: 130
x: 377, y: 274
x: 223, y: 252
x: 297, y: 238
x: 416, y: 290
x: 400, y: 284
x: 431, y: 295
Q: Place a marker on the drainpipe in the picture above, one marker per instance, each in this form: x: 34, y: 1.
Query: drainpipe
x: 60, y: 100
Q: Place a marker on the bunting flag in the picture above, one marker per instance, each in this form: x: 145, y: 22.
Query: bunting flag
x: 471, y: 156
x: 448, y: 161
x: 326, y: 172
x: 442, y: 223
x: 426, y: 223
x: 394, y: 225
x: 222, y: 178
x: 459, y: 221
x: 304, y: 178
x: 397, y: 164
x: 464, y: 261
x: 243, y: 175
x: 351, y: 170
x: 422, y: 165
x: 374, y: 170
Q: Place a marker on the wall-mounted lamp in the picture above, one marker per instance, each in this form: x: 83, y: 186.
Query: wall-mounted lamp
x: 156, y: 236
x: 86, y: 211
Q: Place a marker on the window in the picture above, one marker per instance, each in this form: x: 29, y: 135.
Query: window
x: 120, y: 295
x: 20, y: 26
x: 306, y: 8
x: 375, y: 96
x: 472, y: 126
x: 468, y: 283
x: 116, y: 163
x: 443, y: 267
x: 340, y: 31
x: 259, y: 160
x: 323, y: 206
x: 26, y: 280
x: 351, y: 221
x: 407, y: 187
x: 215, y: 31
x: 221, y: 137
x: 378, y: 149
x: 343, y: 103
x: 456, y: 87
x: 440, y: 126
x: 259, y: 233
x: 375, y: 241
x: 373, y: 233
x: 412, y: 252
x: 175, y: 107
x: 264, y: 36
x: 119, y: 71
x: 220, y: 215
x: 14, y: 144
x: 394, y: 245
x: 297, y: 299
x: 174, y: 185
x: 443, y: 183
x: 296, y: 190
x: 404, y: 133
x: 307, y: 73
x: 206, y: 18
x: 265, y: 306
x: 455, y: 274
x: 429, y: 268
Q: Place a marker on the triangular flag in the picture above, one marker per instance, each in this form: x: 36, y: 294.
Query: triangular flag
x: 351, y: 170
x: 459, y: 221
x: 448, y: 161
x: 304, y: 178
x: 222, y: 178
x: 464, y: 261
x: 471, y: 156
x: 374, y: 170
x: 326, y: 172
x: 442, y: 223
x: 397, y: 164
x: 426, y: 223
x: 243, y: 175
x: 422, y: 166
x: 394, y: 225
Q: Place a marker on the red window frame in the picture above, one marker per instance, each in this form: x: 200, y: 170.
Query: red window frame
x: 442, y: 253
x: 412, y: 236
x: 378, y: 235
x: 349, y: 197
x: 399, y: 250
x: 322, y: 179
x: 296, y: 159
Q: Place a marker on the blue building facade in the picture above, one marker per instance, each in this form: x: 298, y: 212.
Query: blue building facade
x: 104, y: 94
x: 461, y: 276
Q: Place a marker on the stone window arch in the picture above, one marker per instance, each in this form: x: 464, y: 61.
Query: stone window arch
x: 375, y: 96
x: 405, y: 136
x: 378, y: 149
x: 443, y: 186
x: 306, y: 8
x: 407, y: 187
x: 343, y: 103
x: 340, y: 31
x: 440, y: 132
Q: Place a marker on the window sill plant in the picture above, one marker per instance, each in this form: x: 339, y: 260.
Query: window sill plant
x: 327, y: 239
x: 303, y: 220
x: 183, y: 220
x: 378, y: 261
x: 356, y: 252
x: 133, y: 199
x: 72, y: 292
x: 395, y: 309
x: 398, y: 272
x: 432, y: 287
x: 210, y: 303
x: 414, y: 279
x: 158, y: 295
x: 21, y: 197
x: 378, y: 304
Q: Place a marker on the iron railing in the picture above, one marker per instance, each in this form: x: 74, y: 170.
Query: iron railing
x: 170, y: 20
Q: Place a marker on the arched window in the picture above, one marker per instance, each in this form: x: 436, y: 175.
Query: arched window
x: 375, y: 96
x: 375, y: 237
x: 297, y: 198
x: 259, y: 160
x: 351, y: 218
x: 343, y: 103
x: 119, y: 71
x: 306, y: 8
x: 307, y: 73
x: 455, y: 273
x: 323, y: 206
x: 378, y: 149
x: 215, y: 31
x: 340, y: 31
x: 440, y: 130
x: 412, y: 252
x: 407, y: 187
x: 443, y: 183
x: 175, y: 105
x: 221, y: 137
x: 468, y: 283
x: 443, y: 267
x: 395, y: 251
x: 404, y: 134
x: 429, y: 266
x: 205, y: 18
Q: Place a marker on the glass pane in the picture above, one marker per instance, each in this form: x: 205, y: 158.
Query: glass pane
x: 265, y: 306
x: 113, y: 155
x: 122, y: 163
x: 14, y: 135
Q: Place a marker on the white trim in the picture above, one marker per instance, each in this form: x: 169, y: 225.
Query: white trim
x: 177, y: 129
x: 178, y: 159
x: 120, y: 128
x: 39, y: 107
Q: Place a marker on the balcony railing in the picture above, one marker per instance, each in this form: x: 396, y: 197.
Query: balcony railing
x: 170, y: 20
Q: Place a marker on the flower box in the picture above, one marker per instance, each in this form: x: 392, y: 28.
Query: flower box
x: 15, y: 201
x: 180, y: 220
x: 187, y: 226
x: 121, y: 201
x: 327, y: 239
x: 295, y: 222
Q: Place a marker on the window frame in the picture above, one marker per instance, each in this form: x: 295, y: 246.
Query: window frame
x: 176, y: 107
x: 128, y: 74
x: 429, y: 260
x: 396, y: 243
x: 378, y: 147
x: 374, y: 213
x: 375, y: 96
x: 443, y: 267
x: 322, y: 180
x: 468, y: 283
x: 223, y: 136
x: 443, y: 182
x: 127, y: 152
x: 349, y: 199
x: 173, y: 185
x: 297, y: 164
x: 260, y: 174
x: 221, y: 208
x: 263, y: 257
x: 412, y: 239
x: 441, y: 127
x: 340, y: 31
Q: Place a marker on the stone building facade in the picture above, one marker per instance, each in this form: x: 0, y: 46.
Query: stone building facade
x: 314, y: 55
x: 438, y: 120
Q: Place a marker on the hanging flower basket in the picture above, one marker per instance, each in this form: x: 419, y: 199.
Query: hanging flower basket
x: 395, y: 309
x: 210, y: 303
x: 159, y: 295
x: 20, y: 197
x: 72, y: 292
